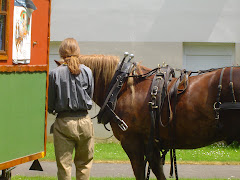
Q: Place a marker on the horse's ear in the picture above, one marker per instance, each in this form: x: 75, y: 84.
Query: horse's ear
x: 58, y: 62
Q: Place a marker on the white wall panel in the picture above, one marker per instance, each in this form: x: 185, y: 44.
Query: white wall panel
x: 144, y: 21
x: 202, y: 56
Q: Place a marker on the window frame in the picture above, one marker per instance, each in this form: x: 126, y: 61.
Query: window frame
x: 4, y: 53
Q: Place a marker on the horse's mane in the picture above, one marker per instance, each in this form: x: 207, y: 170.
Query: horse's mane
x: 103, y: 68
x: 101, y: 65
x: 104, y: 65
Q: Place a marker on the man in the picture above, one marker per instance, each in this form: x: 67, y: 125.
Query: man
x: 70, y: 96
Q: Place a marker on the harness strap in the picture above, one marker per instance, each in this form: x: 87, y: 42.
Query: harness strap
x: 149, y: 150
x: 159, y: 92
x: 148, y: 74
x: 220, y: 85
x: 114, y: 89
x: 171, y: 165
x: 173, y: 134
x: 230, y: 106
x: 231, y: 85
x: 217, y: 104
x: 173, y: 160
x: 158, y: 95
x: 148, y: 172
x: 184, y: 76
x: 231, y: 74
x: 123, y: 126
x: 107, y: 98
x: 153, y: 107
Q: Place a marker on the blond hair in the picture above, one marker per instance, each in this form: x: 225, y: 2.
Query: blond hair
x: 69, y: 51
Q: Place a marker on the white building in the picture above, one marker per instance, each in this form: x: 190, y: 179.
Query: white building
x: 191, y: 34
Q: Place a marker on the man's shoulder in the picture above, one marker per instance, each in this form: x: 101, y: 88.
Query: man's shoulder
x: 58, y: 69
x: 85, y: 68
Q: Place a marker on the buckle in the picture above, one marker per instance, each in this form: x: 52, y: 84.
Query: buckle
x: 152, y: 105
x: 154, y: 91
x: 216, y: 108
x: 123, y: 126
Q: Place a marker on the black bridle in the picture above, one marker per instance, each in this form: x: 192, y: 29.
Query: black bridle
x: 107, y: 109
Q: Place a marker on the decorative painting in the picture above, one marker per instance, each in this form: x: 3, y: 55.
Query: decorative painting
x: 21, y: 51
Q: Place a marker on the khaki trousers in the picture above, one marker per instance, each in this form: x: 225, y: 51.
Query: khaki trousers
x: 73, y: 133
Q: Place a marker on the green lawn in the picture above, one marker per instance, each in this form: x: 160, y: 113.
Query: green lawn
x: 212, y: 153
x: 100, y: 178
x: 217, y: 153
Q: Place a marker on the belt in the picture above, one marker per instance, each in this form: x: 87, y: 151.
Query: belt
x: 72, y: 113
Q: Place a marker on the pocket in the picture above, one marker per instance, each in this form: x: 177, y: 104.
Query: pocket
x: 86, y: 127
x: 67, y: 126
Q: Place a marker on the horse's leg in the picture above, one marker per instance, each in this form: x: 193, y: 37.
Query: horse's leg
x: 157, y: 165
x: 134, y: 148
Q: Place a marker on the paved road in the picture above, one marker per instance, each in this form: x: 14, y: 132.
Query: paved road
x: 125, y: 170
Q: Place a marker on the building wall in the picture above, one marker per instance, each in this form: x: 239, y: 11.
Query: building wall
x: 237, y: 54
x: 146, y: 21
x: 153, y: 30
x: 150, y: 54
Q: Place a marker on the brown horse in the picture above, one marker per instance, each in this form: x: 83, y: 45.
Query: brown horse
x: 196, y: 125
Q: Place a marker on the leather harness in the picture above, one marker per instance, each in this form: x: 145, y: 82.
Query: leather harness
x: 107, y: 110
x: 221, y: 106
x: 121, y: 75
x: 160, y: 95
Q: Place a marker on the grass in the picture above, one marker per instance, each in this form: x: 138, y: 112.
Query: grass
x: 214, y: 153
x: 109, y: 152
x: 50, y: 155
x: 218, y: 153
x: 100, y: 178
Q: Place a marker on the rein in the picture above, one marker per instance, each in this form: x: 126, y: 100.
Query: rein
x: 148, y: 74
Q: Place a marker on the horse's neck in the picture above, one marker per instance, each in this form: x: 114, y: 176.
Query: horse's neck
x: 100, y: 91
x: 103, y: 74
x: 103, y: 69
x: 102, y: 83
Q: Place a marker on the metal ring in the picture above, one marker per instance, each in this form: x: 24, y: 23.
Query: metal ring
x: 214, y: 105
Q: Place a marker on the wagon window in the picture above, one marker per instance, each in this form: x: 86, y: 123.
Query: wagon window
x: 3, y: 5
x: 3, y: 31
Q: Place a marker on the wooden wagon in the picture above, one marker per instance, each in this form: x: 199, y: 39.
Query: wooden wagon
x: 24, y: 54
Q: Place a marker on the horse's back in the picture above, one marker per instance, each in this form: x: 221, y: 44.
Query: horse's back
x: 195, y: 118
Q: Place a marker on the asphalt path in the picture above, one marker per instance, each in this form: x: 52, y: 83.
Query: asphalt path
x: 125, y: 170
